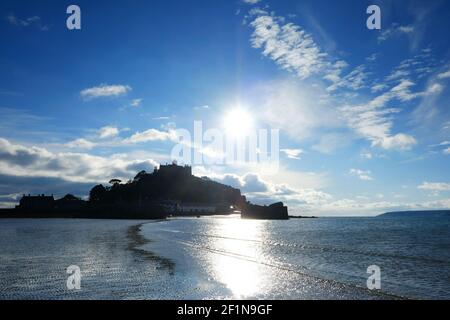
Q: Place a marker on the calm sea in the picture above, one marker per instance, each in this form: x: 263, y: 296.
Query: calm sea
x: 224, y: 257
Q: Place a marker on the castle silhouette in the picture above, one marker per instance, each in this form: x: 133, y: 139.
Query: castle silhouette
x: 170, y: 190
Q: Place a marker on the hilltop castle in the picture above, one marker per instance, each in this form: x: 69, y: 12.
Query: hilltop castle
x: 174, y: 170
x: 169, y: 190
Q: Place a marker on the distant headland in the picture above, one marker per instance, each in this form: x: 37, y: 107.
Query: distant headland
x: 170, y: 190
x: 416, y: 214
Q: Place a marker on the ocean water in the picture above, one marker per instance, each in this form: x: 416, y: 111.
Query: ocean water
x: 225, y: 257
x: 311, y: 258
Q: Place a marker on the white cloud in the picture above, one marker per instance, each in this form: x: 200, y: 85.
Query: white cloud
x: 296, y: 108
x: 136, y: 103
x: 335, y: 70
x: 282, y: 41
x: 105, y: 90
x: 374, y: 122
x: 395, y: 30
x: 355, y: 80
x: 398, y: 74
x: 366, y: 155
x: 311, y: 201
x: 80, y: 144
x: 287, y: 44
x: 365, y: 175
x: 435, y: 88
x: 293, y: 49
x: 262, y: 191
x: 373, y: 57
x: 161, y: 118
x: 446, y: 151
x: 22, y: 161
x: 378, y: 87
x: 402, y: 91
x: 444, y: 75
x: 292, y: 153
x: 406, y: 29
x: 108, y: 132
x: 251, y: 1
x: 247, y: 183
x: 35, y: 21
x: 152, y: 135
x: 435, y: 186
x: 204, y: 107
x: 399, y: 141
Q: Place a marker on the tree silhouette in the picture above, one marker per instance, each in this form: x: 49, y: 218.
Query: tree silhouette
x: 115, y: 181
x: 97, y: 193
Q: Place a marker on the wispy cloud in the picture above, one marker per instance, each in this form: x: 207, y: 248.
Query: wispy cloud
x: 22, y: 123
x: 108, y: 132
x: 80, y: 143
x: 395, y: 30
x: 105, y: 90
x: 354, y: 80
x: 296, y: 108
x: 152, y: 135
x: 366, y: 155
x: 416, y: 67
x: 365, y: 175
x: 161, y: 118
x: 34, y: 21
x: 203, y: 107
x: 136, y: 103
x: 378, y: 87
x: 435, y: 187
x: 133, y: 104
x: 292, y: 153
x: 374, y: 121
x: 291, y: 47
x: 444, y: 75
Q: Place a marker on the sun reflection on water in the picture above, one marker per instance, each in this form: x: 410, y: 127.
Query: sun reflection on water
x: 237, y: 262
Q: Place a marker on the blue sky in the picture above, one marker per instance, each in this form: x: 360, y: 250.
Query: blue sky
x: 363, y: 114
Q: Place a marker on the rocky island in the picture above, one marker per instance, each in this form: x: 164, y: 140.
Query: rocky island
x: 170, y: 190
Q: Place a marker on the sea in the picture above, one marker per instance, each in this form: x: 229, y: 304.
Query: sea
x: 225, y: 257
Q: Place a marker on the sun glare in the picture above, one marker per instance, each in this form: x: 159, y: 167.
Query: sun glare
x: 238, y: 266
x: 238, y: 122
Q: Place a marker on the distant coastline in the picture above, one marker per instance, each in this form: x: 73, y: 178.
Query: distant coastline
x: 302, y: 217
x: 416, y: 214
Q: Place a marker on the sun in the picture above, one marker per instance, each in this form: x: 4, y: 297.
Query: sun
x: 238, y: 122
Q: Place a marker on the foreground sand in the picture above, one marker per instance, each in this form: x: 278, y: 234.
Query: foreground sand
x: 118, y: 262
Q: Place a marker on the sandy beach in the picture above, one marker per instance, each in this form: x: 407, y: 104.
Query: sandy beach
x: 35, y: 254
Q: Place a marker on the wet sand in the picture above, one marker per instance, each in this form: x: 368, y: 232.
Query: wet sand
x: 34, y: 256
x: 120, y: 259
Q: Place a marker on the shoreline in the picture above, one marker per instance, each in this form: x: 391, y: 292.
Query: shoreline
x: 137, y: 241
x: 160, y: 259
x: 320, y: 282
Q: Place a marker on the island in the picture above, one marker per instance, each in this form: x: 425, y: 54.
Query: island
x: 170, y: 190
x: 416, y: 214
